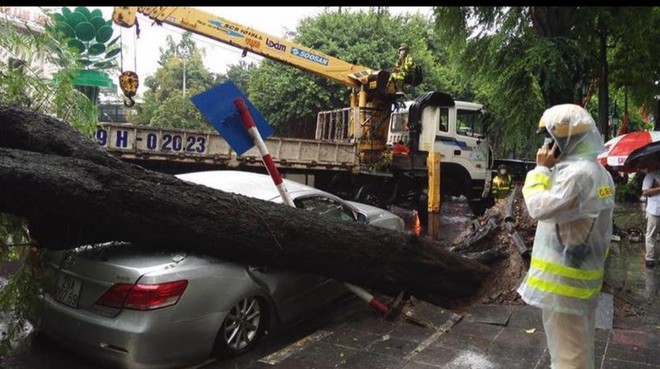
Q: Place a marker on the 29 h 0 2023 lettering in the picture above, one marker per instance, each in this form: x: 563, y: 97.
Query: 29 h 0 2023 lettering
x: 166, y: 142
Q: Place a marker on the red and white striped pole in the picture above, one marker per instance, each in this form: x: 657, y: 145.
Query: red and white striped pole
x: 369, y: 298
x: 277, y: 178
x: 263, y: 150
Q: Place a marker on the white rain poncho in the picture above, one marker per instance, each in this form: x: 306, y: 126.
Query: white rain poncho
x: 573, y: 203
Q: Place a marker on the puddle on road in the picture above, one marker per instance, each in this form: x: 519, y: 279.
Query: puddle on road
x: 455, y: 217
x: 625, y: 270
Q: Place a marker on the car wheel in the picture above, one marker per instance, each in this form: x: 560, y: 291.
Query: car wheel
x: 244, y: 325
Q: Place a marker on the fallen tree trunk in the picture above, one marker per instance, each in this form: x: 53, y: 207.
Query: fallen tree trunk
x: 74, y: 193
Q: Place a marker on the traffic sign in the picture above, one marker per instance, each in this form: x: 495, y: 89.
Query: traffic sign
x: 218, y: 107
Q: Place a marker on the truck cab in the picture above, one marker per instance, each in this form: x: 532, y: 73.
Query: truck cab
x: 455, y: 130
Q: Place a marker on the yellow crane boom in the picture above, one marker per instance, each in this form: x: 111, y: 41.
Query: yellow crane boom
x: 372, y: 92
x: 249, y: 39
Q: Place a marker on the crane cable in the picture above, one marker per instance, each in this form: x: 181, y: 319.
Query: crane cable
x: 129, y: 80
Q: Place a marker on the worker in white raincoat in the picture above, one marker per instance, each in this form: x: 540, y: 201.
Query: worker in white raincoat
x: 572, y: 197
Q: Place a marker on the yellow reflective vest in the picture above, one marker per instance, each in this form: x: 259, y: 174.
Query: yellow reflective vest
x: 573, y: 204
x: 403, y: 68
x: 501, y: 186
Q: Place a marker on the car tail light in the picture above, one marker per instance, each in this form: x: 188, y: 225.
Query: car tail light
x: 143, y: 296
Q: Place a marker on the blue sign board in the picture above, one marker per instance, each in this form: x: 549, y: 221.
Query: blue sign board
x: 217, y: 106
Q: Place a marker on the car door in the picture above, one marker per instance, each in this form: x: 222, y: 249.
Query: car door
x: 296, y: 292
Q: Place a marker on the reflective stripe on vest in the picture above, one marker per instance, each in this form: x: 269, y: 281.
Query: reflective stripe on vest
x: 536, y: 182
x: 502, y: 184
x: 594, y: 276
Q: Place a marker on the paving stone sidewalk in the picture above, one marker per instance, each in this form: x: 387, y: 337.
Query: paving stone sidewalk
x: 486, y: 337
x: 352, y: 336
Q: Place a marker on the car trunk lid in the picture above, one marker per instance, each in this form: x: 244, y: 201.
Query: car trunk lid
x: 79, y: 277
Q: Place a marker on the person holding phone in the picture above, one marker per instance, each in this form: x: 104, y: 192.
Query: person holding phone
x: 572, y: 197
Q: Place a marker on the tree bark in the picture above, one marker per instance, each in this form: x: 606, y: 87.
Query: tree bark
x: 73, y: 193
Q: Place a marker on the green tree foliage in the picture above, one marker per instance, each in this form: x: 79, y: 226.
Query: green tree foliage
x: 369, y: 38
x: 290, y: 98
x: 28, y: 58
x: 521, y: 60
x: 164, y: 103
x: 634, y: 61
x: 19, y: 296
x: 508, y: 67
x: 239, y: 74
x: 25, y: 80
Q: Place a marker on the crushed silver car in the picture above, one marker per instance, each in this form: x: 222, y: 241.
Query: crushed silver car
x: 135, y: 307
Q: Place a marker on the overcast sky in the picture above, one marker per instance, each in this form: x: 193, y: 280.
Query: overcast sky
x: 271, y: 20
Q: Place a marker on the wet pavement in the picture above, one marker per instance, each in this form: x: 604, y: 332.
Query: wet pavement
x: 349, y: 335
x: 486, y: 336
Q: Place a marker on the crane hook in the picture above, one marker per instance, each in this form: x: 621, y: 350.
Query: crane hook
x: 129, y: 82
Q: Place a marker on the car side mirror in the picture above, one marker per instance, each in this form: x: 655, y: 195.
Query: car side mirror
x: 361, y: 217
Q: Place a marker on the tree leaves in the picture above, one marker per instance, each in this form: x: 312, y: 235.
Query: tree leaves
x: 32, y: 88
x: 368, y: 38
x: 164, y: 102
x: 521, y: 60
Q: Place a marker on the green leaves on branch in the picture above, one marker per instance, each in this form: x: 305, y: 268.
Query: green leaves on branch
x: 165, y: 104
x: 521, y: 60
x: 290, y: 98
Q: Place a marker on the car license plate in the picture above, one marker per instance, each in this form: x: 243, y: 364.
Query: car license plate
x: 68, y: 290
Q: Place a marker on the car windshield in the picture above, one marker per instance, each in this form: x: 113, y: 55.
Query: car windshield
x: 469, y: 123
x: 325, y: 207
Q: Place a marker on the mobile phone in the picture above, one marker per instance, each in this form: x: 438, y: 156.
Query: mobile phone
x: 549, y: 142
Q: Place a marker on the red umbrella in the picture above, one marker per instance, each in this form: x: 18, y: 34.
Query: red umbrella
x: 618, y: 148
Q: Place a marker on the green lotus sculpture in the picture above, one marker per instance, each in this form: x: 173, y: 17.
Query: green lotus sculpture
x: 91, y: 36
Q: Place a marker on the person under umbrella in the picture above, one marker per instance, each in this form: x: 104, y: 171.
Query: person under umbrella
x: 651, y: 189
